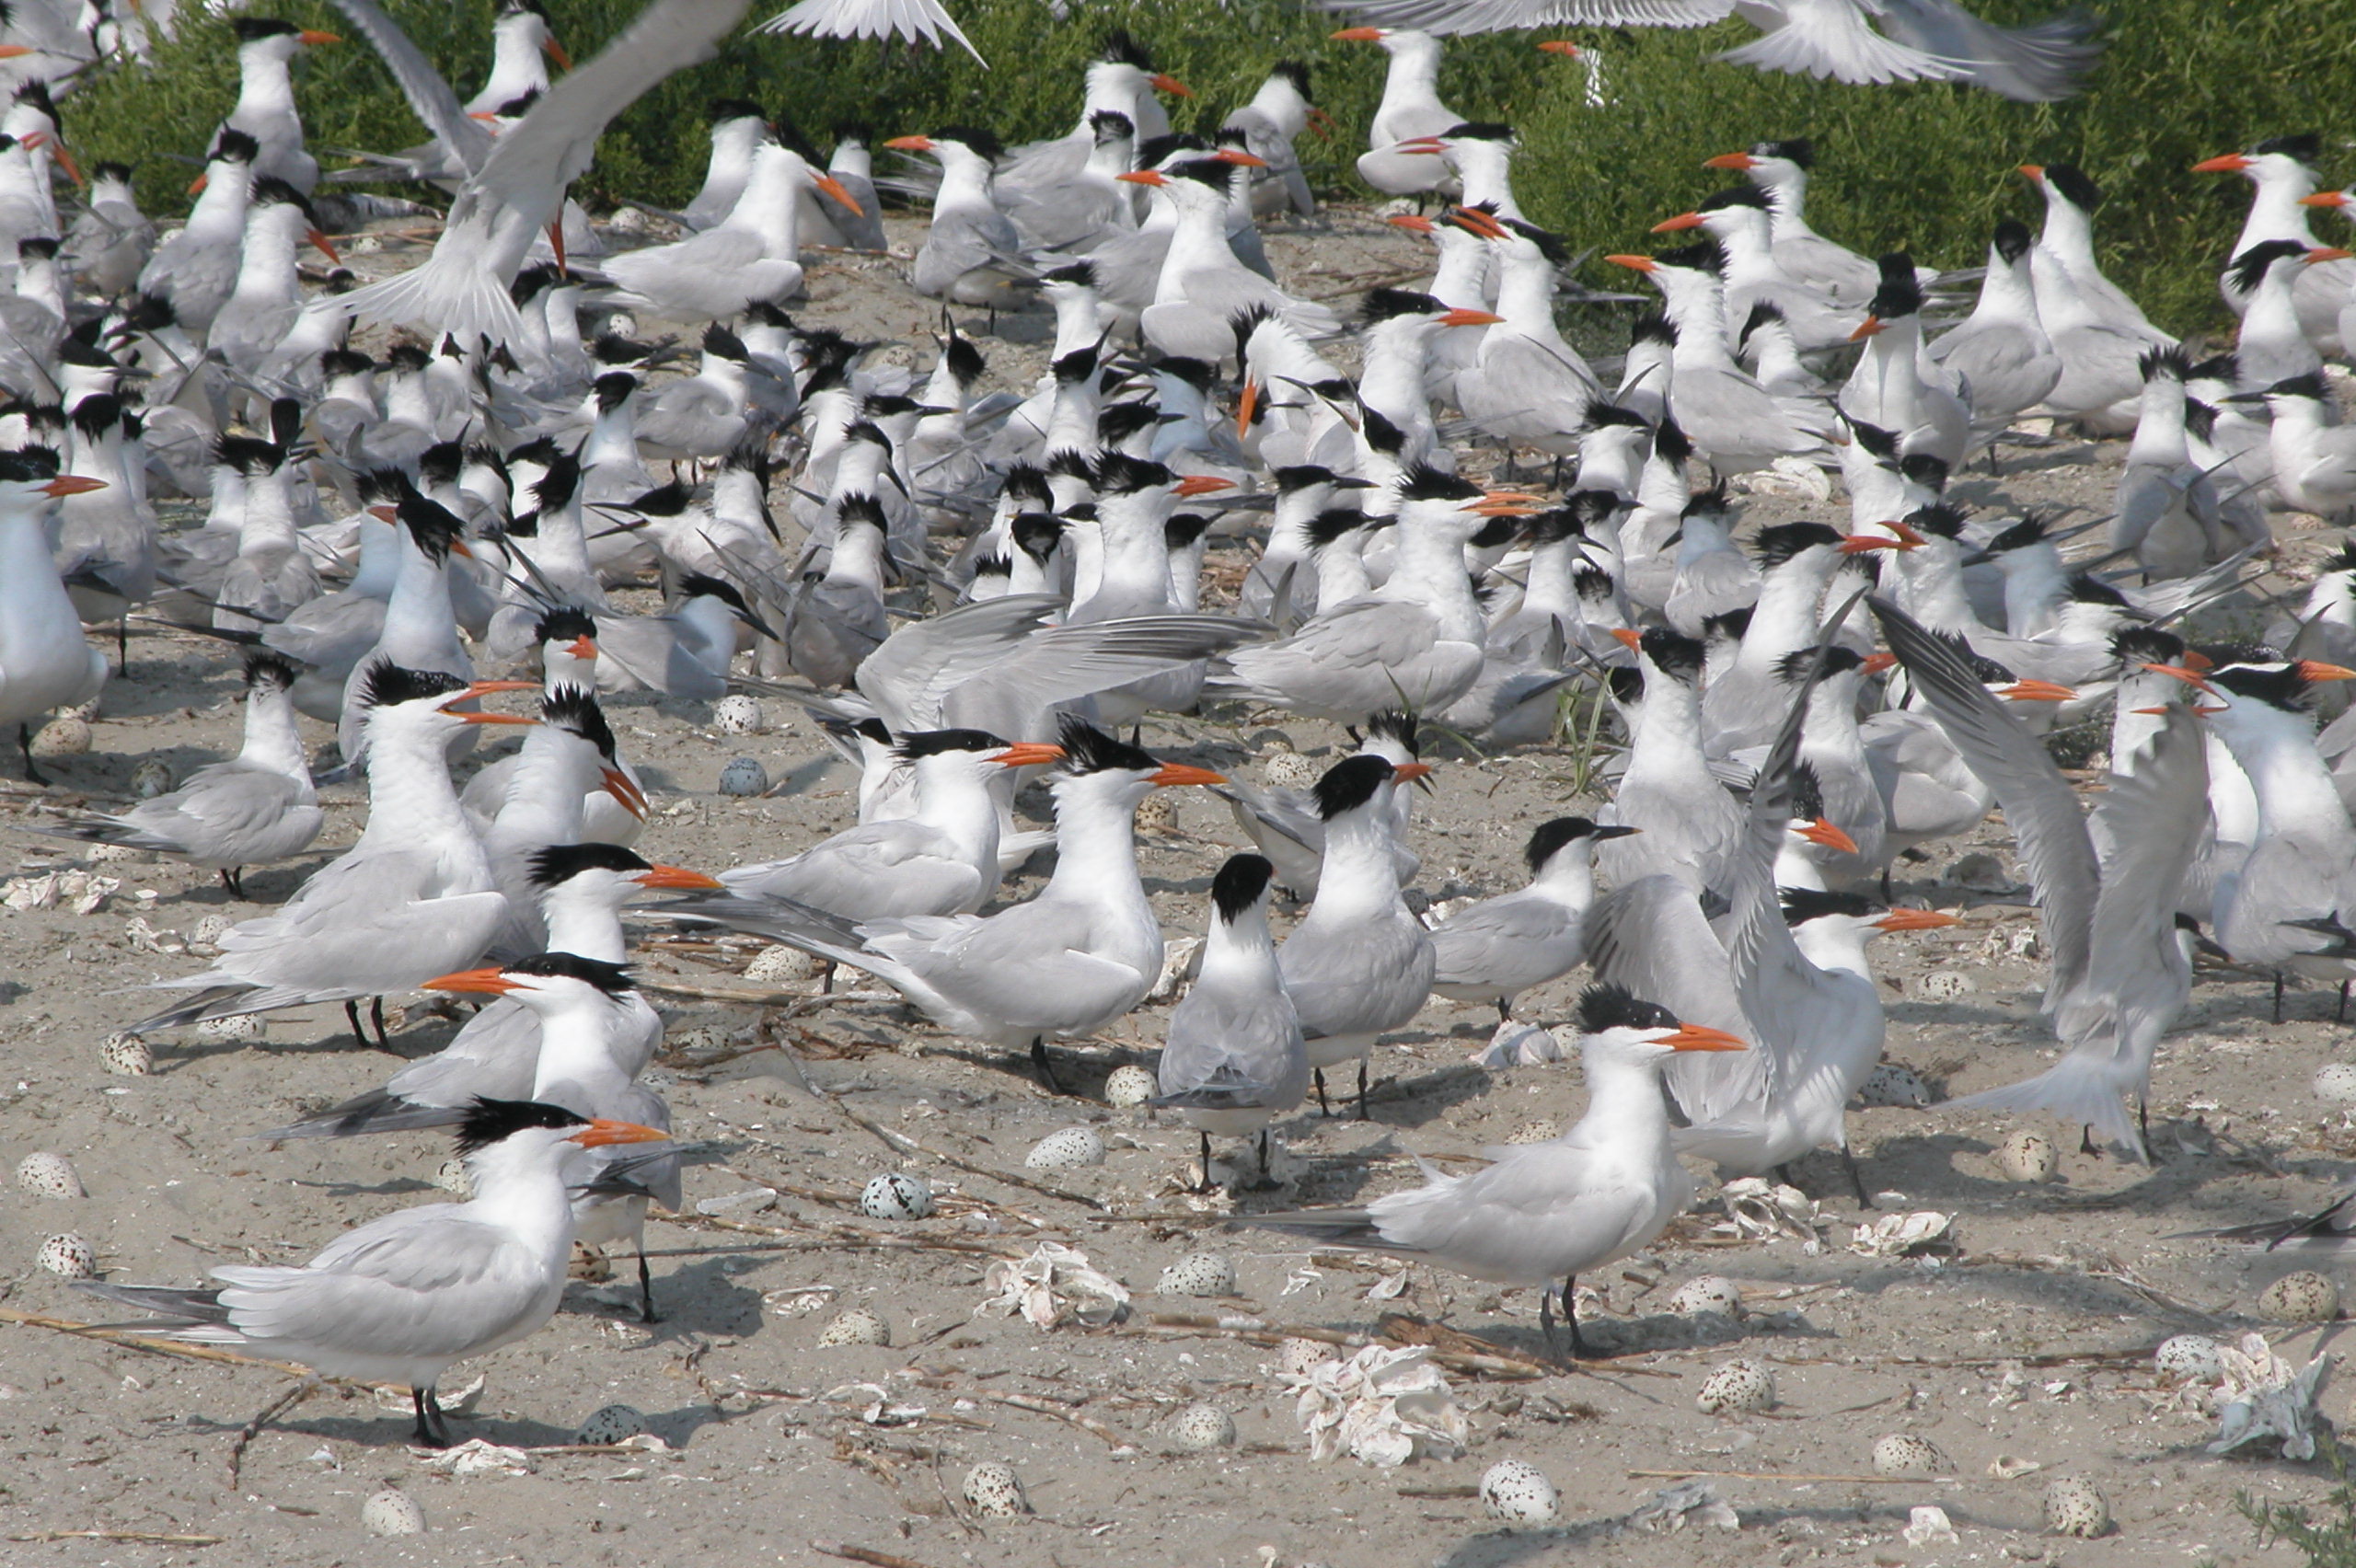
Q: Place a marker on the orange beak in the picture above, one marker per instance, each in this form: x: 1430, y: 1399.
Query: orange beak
x: 1419, y: 146
x: 1682, y: 221
x: 1508, y: 506
x: 1858, y: 543
x: 1029, y: 754
x: 1870, y: 327
x: 1172, y: 85
x: 326, y: 246
x: 459, y: 547
x: 483, y: 982
x: 1913, y: 920
x: 2037, y: 691
x: 484, y: 688
x: 583, y: 646
x: 1472, y: 220
x: 910, y: 143
x: 1411, y: 222
x: 1633, y: 643
x: 1731, y: 160
x: 1357, y: 35
x: 1702, y: 1037
x: 834, y: 188
x: 2035, y: 172
x: 71, y: 484
x: 65, y: 161
x: 623, y: 787
x: 1876, y: 662
x: 2224, y: 163
x: 1411, y: 771
x: 2327, y: 253
x: 2325, y: 199
x: 677, y: 877
x: 1467, y: 316
x: 316, y: 39
x: 1144, y: 176
x: 1201, y: 484
x: 1561, y: 46
x: 2191, y: 678
x: 196, y: 186
x: 601, y: 1132
x: 1173, y: 773
x: 1244, y: 406
x: 2314, y: 671
x: 1634, y: 264
x: 1239, y: 158
x: 1320, y: 124
x: 556, y: 52
x: 2197, y: 661
x: 1822, y: 832
x: 14, y: 51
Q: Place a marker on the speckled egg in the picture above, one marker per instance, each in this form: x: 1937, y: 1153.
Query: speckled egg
x: 737, y: 714
x: 1902, y: 1453
x: 1067, y: 1148
x: 1543, y: 1129
x: 1297, y: 1355
x: 783, y: 965
x: 1943, y: 985
x: 1517, y: 1493
x: 744, y: 776
x: 451, y: 1177
x: 66, y: 735
x: 210, y: 929
x: 896, y: 1194
x: 69, y: 1257
x: 151, y: 778
x: 1158, y: 814
x: 1199, y: 1428
x: 245, y: 1026
x: 1130, y: 1085
x: 857, y: 1325
x: 392, y: 1512
x: 50, y: 1176
x: 2190, y: 1358
x: 126, y: 1055
x: 1289, y: 770
x: 1736, y: 1387
x: 994, y: 1492
x: 1706, y: 1293
x: 2303, y: 1298
x: 2073, y: 1506
x: 1893, y: 1084
x: 1199, y: 1274
x: 2025, y: 1155
x: 610, y: 1425
x: 2336, y: 1081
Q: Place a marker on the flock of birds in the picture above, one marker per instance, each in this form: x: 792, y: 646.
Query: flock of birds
x: 973, y: 588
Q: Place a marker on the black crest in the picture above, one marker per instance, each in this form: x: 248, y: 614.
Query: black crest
x: 1616, y: 1007
x: 933, y: 742
x: 1238, y: 884
x: 1088, y: 749
x: 388, y: 685
x: 490, y: 1120
x: 559, y: 864
x: 1351, y: 783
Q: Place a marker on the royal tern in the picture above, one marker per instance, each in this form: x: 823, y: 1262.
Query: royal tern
x: 1553, y: 1210
x: 2165, y: 512
x: 569, y: 753
x: 1203, y: 288
x: 1410, y: 110
x: 110, y: 240
x: 2282, y: 175
x: 972, y: 252
x: 265, y: 109
x: 1286, y: 828
x: 1233, y: 1058
x: 2001, y: 353
x: 44, y: 662
x: 1494, y: 950
x: 1691, y: 828
x: 419, y: 629
x: 2314, y: 458
x: 1276, y: 115
x: 400, y: 1299
x: 750, y: 255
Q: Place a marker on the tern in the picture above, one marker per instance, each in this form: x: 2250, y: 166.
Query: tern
x: 265, y: 109
x: 44, y: 662
x: 1233, y: 1058
x: 1410, y: 111
x: 1550, y: 1211
x: 400, y: 1299
x: 1494, y: 949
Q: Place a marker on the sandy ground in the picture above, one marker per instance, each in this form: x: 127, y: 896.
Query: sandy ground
x: 2028, y: 1345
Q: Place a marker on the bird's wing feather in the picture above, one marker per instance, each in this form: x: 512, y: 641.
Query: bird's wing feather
x: 468, y: 139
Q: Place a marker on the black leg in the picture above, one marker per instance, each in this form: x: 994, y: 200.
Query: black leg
x: 2278, y: 996
x: 1205, y: 1185
x: 233, y: 878
x: 1571, y: 1316
x: 25, y: 745
x: 2144, y: 1119
x: 424, y: 1432
x: 1505, y: 1011
x: 1783, y: 1174
x: 1267, y: 1171
x: 351, y: 1013
x: 826, y: 979
x: 442, y: 1438
x: 1364, y: 1115
x: 1546, y: 1322
x: 1885, y: 884
x: 2341, y: 1016
x: 1047, y: 1068
x: 2086, y: 1141
x: 123, y: 645
x: 1856, y: 1177
x: 646, y: 1313
x: 377, y: 1016
x: 1324, y: 1107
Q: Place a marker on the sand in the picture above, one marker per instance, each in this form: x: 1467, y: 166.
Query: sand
x: 2022, y: 1352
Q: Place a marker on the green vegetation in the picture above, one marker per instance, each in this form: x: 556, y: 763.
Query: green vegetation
x: 1928, y: 167
x: 2330, y: 1544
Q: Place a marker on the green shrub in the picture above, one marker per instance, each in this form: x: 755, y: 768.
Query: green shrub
x: 1929, y: 166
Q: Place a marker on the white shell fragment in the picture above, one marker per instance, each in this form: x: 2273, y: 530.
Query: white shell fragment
x: 1199, y: 1428
x: 1706, y: 1293
x: 896, y: 1194
x: 1929, y: 1526
x: 610, y: 1425
x: 2074, y: 1507
x: 1199, y: 1274
x: 2263, y: 1397
x: 1736, y: 1387
x: 1382, y: 1407
x: 49, y: 1176
x: 67, y: 1256
x: 1893, y: 1084
x: 2336, y: 1081
x: 744, y: 776
x: 1902, y: 1453
x: 1905, y: 1235
x: 1067, y: 1148
x: 2190, y: 1358
x: 737, y: 714
x: 858, y: 1325
x: 2303, y: 1298
x: 994, y: 1492
x: 126, y: 1055
x: 392, y: 1512
x: 2027, y: 1156
x: 1130, y: 1085
x: 1054, y: 1285
x: 1517, y: 1493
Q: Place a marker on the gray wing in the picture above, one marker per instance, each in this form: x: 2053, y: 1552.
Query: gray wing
x: 2151, y: 819
x: 1446, y: 17
x: 423, y: 1282
x: 918, y: 666
x: 2039, y: 804
x: 1473, y: 941
x: 1067, y: 662
x: 468, y: 140
x: 1231, y: 1048
x: 226, y: 804
x: 858, y: 872
x: 2038, y: 63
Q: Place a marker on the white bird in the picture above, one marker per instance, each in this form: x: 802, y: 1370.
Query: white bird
x: 2282, y: 175
x: 265, y: 107
x: 1233, y: 1058
x: 972, y: 251
x: 111, y: 239
x: 254, y: 809
x: 1411, y: 110
x: 1278, y: 113
x: 1494, y: 949
x: 1203, y: 288
x: 2001, y: 353
x: 750, y: 255
x: 1550, y: 1211
x: 400, y: 1299
x: 412, y: 898
x: 44, y: 662
x: 918, y: 21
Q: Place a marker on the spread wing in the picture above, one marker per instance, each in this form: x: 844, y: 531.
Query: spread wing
x: 468, y: 139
